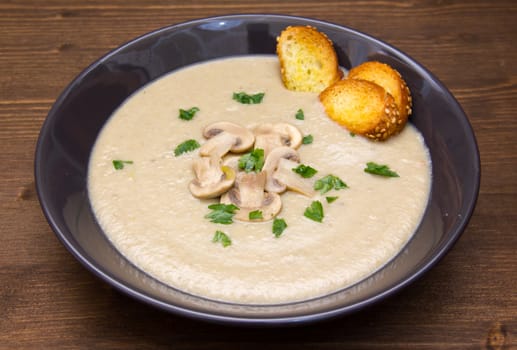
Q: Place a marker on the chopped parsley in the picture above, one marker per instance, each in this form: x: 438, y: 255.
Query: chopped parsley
x: 299, y: 114
x: 331, y: 199
x: 305, y: 171
x: 188, y: 114
x: 279, y: 226
x: 253, y: 161
x: 352, y: 134
x: 247, y: 99
x: 221, y: 213
x: 255, y: 215
x: 315, y: 211
x: 222, y: 237
x: 378, y: 169
x: 186, y: 146
x: 119, y: 164
x: 328, y: 183
x: 307, y: 139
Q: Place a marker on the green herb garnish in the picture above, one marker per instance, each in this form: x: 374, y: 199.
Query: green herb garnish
x: 378, y: 169
x: 279, y: 226
x: 328, y: 183
x: 315, y: 211
x: 253, y: 161
x: 352, y: 134
x: 331, y: 199
x: 307, y: 139
x: 186, y: 146
x: 222, y: 237
x: 221, y: 213
x: 247, y: 99
x: 188, y: 114
x: 255, y: 215
x: 299, y: 114
x: 119, y: 164
x: 305, y: 171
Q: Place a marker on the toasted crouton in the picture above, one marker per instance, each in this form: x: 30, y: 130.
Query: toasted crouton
x: 308, y: 61
x: 391, y: 80
x: 363, y: 107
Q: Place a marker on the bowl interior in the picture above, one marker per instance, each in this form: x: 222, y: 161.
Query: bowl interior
x: 73, y: 123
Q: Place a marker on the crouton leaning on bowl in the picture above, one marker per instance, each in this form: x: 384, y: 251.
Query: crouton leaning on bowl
x: 308, y: 61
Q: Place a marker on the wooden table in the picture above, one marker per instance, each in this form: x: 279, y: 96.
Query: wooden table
x: 468, y: 301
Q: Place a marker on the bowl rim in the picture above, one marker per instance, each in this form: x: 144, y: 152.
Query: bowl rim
x: 91, y: 265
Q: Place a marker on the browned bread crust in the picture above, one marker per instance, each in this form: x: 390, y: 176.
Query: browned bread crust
x: 391, y: 80
x: 361, y: 106
x: 308, y: 61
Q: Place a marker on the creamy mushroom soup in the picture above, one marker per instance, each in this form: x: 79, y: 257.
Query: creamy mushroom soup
x: 143, y: 202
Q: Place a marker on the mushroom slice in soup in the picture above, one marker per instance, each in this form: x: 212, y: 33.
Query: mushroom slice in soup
x: 271, y: 165
x: 232, y: 161
x: 248, y: 194
x: 269, y: 136
x: 224, y: 137
x: 284, y: 174
x: 211, y: 178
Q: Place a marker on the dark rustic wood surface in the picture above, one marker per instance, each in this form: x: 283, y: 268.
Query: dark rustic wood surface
x: 468, y: 301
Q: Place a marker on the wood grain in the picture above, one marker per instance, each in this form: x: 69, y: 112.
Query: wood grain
x: 468, y: 301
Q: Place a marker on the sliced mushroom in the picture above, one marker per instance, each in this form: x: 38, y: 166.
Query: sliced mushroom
x: 271, y: 164
x: 269, y: 136
x: 211, y: 178
x: 218, y: 145
x: 284, y: 174
x: 232, y: 161
x: 248, y: 194
x: 224, y: 137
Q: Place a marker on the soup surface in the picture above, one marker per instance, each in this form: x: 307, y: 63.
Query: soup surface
x: 150, y: 216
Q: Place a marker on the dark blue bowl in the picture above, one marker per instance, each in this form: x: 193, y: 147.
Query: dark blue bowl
x: 72, y: 125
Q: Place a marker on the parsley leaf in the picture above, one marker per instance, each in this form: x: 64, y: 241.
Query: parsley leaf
x: 331, y: 199
x: 382, y: 170
x: 186, y: 146
x: 253, y: 161
x: 299, y: 115
x: 255, y: 215
x: 305, y: 171
x: 119, y: 164
x: 221, y: 213
x: 279, y: 226
x: 352, y: 134
x: 315, y: 211
x: 188, y: 114
x: 328, y: 183
x: 247, y: 99
x: 222, y: 237
x: 307, y: 139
